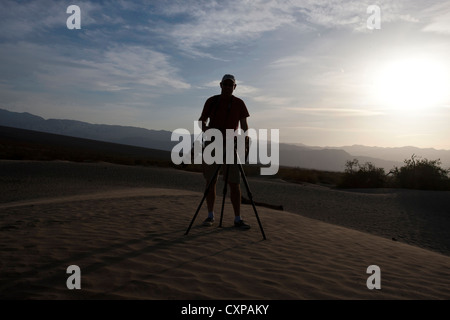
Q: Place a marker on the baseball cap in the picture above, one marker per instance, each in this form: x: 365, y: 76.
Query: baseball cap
x: 228, y: 77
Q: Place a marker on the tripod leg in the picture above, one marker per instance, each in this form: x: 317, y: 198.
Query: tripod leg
x: 250, y: 196
x: 224, y: 194
x: 204, y: 197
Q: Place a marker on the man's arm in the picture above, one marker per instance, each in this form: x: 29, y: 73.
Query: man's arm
x: 244, y: 127
x: 205, y: 115
x: 204, y: 126
x: 244, y: 124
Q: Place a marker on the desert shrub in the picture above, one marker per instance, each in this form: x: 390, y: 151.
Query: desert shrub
x: 299, y: 175
x: 422, y: 174
x: 362, y: 176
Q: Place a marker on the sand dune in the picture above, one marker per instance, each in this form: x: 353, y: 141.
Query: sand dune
x: 130, y: 243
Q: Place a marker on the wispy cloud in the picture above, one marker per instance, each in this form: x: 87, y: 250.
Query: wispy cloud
x: 141, y: 66
x: 336, y: 112
x: 211, y: 23
x: 28, y: 19
x: 438, y: 16
x: 116, y: 68
x: 290, y: 61
x: 17, y: 21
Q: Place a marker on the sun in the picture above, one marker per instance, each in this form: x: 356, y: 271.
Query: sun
x: 411, y: 84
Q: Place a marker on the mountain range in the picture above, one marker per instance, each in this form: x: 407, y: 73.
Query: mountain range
x: 292, y: 155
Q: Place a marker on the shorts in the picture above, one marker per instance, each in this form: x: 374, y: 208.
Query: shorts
x: 233, y: 176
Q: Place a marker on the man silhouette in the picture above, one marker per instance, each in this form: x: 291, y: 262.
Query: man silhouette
x: 224, y: 111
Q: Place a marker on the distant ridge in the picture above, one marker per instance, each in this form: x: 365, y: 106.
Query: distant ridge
x: 291, y: 155
x: 155, y: 139
x: 22, y: 144
x: 394, y: 153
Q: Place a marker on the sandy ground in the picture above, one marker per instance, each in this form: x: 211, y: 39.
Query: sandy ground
x: 125, y: 228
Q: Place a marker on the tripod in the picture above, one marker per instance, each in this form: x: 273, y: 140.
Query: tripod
x: 210, y: 183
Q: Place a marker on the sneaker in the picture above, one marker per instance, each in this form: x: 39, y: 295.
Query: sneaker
x: 241, y: 224
x: 208, y: 222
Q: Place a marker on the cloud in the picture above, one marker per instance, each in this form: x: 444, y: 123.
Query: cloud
x: 352, y: 14
x: 195, y: 27
x: 290, y: 61
x: 114, y: 86
x: 210, y: 23
x: 19, y: 20
x: 439, y: 18
x: 273, y: 101
x: 199, y: 26
x: 140, y: 66
x: 336, y: 112
x: 116, y: 68
x: 31, y: 19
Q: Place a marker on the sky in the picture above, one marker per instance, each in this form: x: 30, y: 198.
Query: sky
x: 325, y: 73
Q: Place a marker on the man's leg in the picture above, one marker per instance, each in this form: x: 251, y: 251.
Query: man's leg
x: 208, y: 173
x: 235, y: 195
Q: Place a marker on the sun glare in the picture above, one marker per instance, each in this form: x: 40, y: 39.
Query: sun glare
x: 411, y: 84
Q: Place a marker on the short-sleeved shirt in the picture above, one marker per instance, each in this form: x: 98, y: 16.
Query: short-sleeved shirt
x: 223, y: 114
